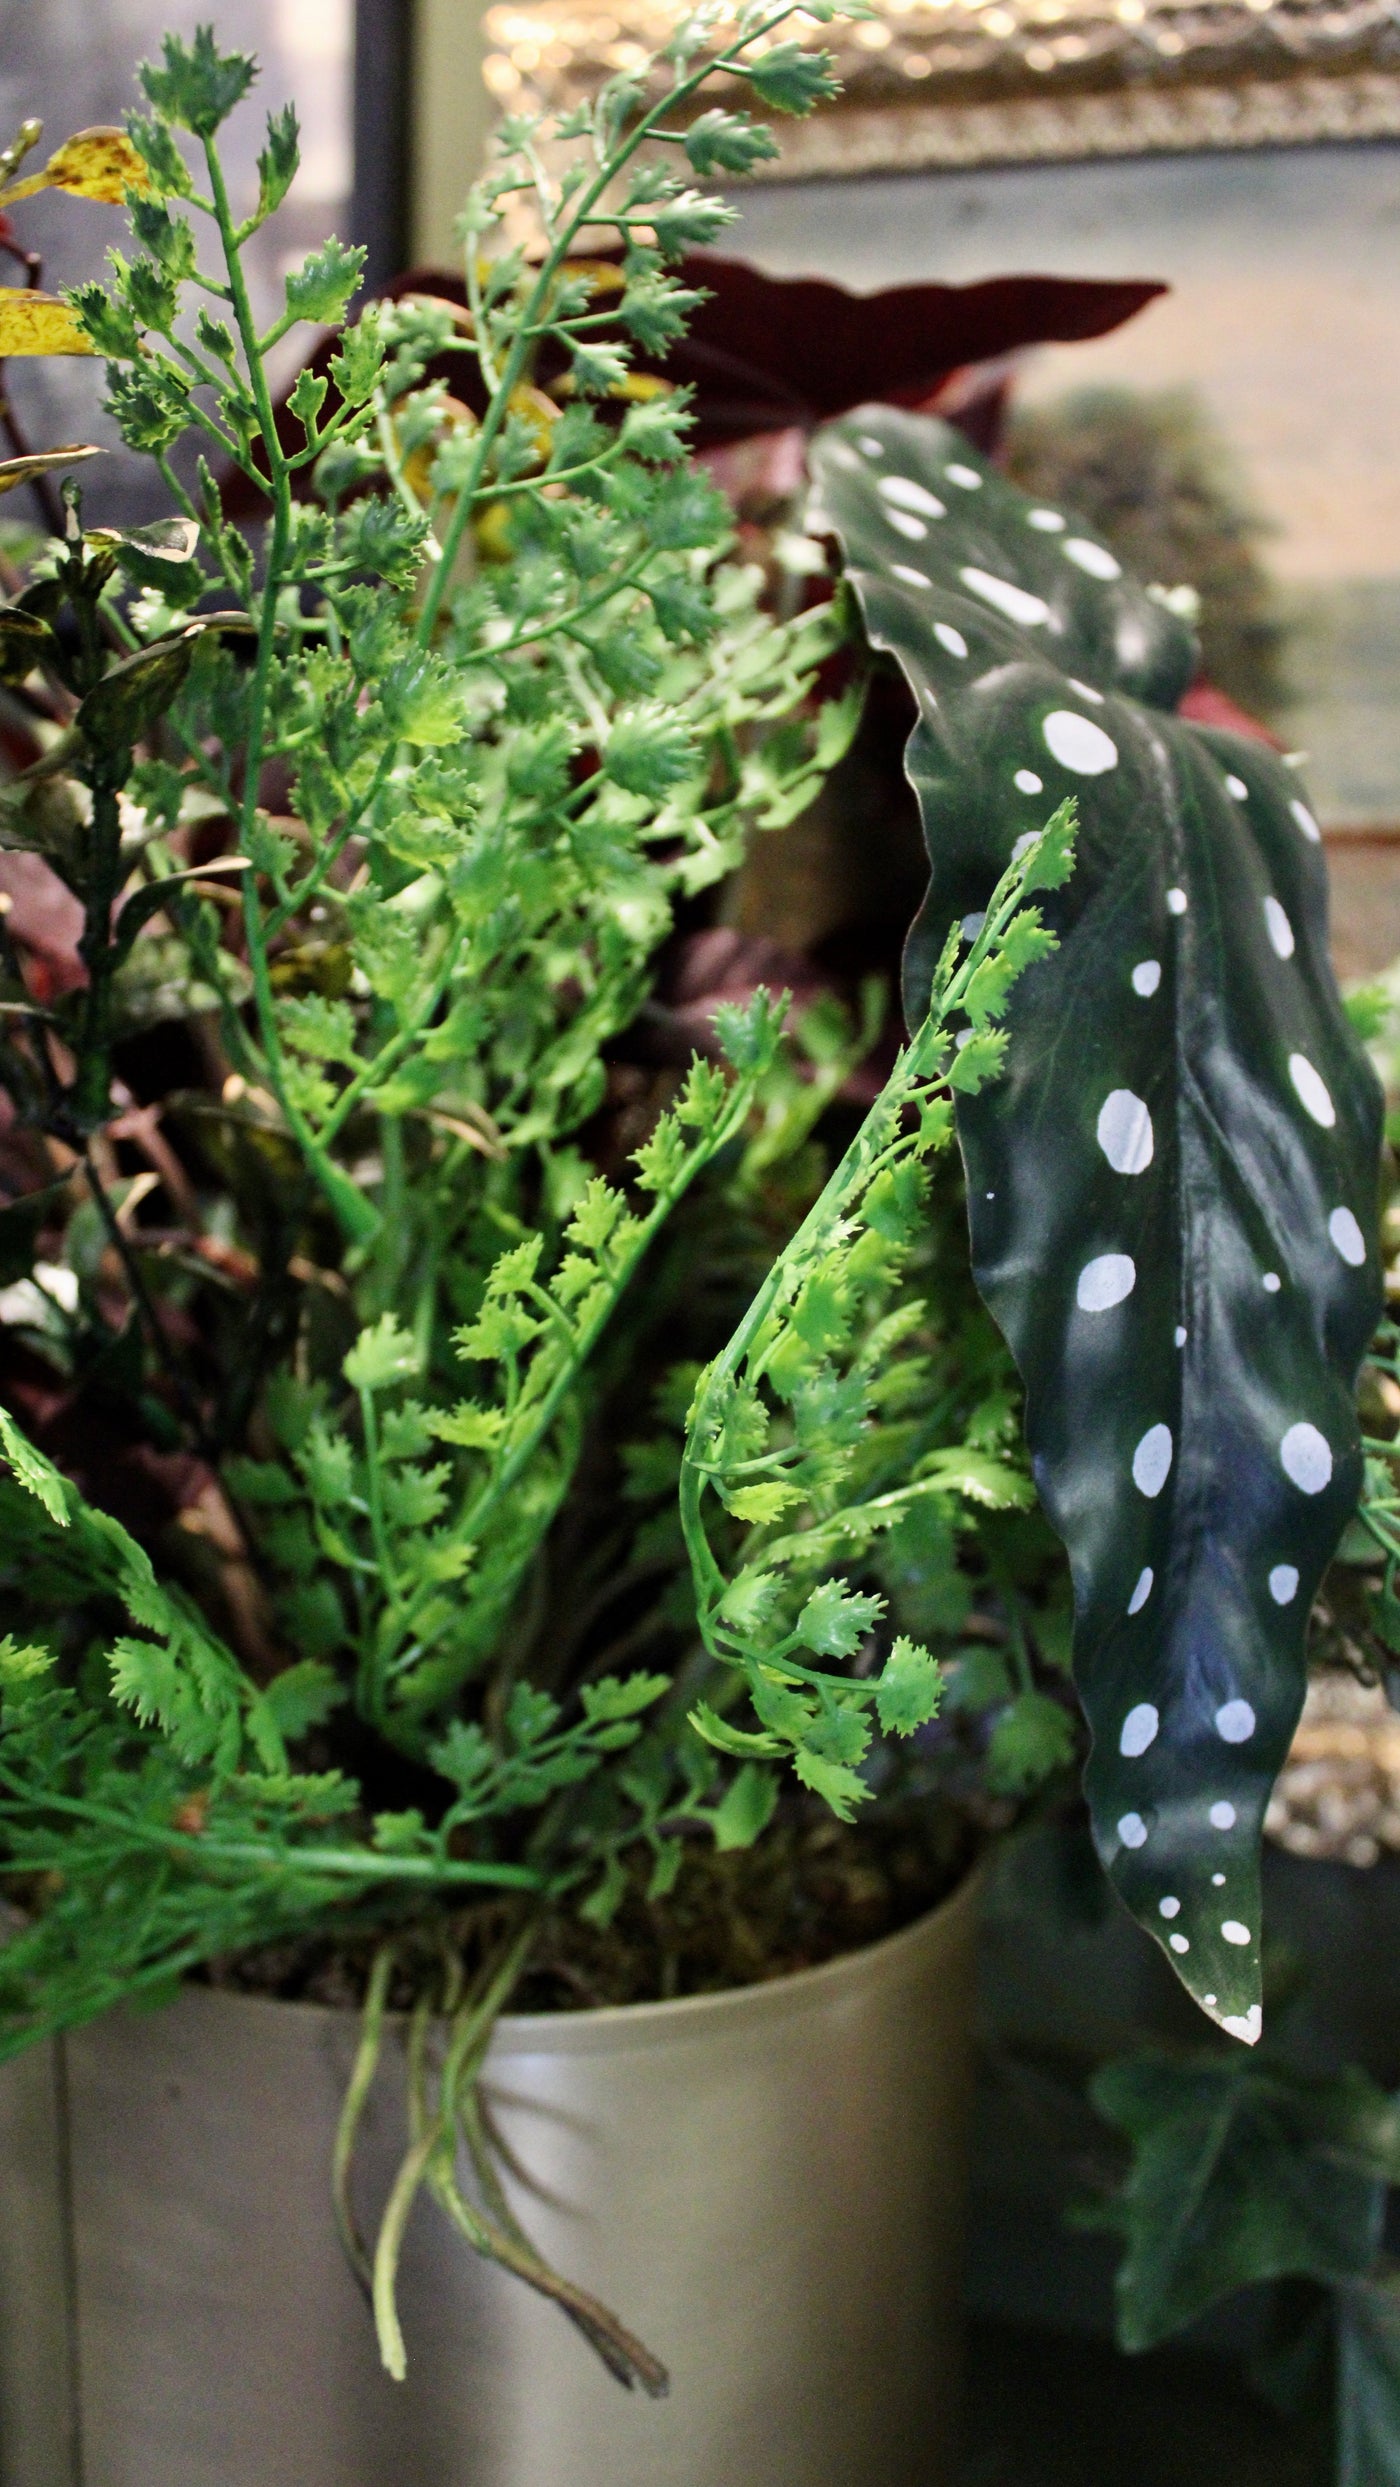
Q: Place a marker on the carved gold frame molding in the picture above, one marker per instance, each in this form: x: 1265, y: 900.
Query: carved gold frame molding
x: 937, y: 83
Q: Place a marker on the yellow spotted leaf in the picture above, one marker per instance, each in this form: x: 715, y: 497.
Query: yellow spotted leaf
x: 22, y: 470
x: 35, y: 323
x: 96, y: 164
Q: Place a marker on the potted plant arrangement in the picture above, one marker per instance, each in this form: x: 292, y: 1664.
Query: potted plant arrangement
x: 475, y: 1498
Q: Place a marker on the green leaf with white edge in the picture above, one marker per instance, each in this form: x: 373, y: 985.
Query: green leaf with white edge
x: 908, y: 1688
x: 835, y: 1619
x: 1173, y: 1186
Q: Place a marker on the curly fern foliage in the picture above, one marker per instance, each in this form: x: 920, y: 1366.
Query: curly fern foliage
x: 784, y: 1431
x: 393, y: 801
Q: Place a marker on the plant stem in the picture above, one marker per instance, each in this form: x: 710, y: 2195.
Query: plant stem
x: 357, y: 1215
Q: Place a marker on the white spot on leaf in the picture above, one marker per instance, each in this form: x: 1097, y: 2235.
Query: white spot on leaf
x: 950, y: 638
x: 1271, y: 1282
x: 903, y: 524
x: 1045, y: 521
x: 1170, y: 1907
x: 1238, y: 788
x: 1347, y: 1236
x: 1235, y: 1722
x: 1246, y: 2025
x: 911, y: 578
x: 842, y: 454
x: 1105, y: 1282
x: 1312, y: 1090
x: 1078, y: 744
x: 1306, y: 1457
x: 1086, y: 691
x: 1095, y: 560
x: 1306, y: 822
x: 971, y: 925
x: 1132, y: 1830
x: 1142, y: 1590
x: 906, y: 494
x: 1283, y: 1583
x: 1139, y: 1730
x: 1152, y: 1461
x: 1147, y: 975
x: 1218, y: 1880
x: 873, y: 448
x: 1279, y: 929
x: 1017, y: 603
x: 1234, y: 1932
x: 1178, y: 1942
x: 1125, y: 1132
x: 966, y: 477
x: 1178, y: 1336
x: 1222, y: 1815
x: 1025, y: 781
x: 1176, y: 902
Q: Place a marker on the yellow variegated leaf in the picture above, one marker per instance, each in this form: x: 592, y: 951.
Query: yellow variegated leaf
x: 35, y: 323
x: 21, y: 470
x: 96, y: 164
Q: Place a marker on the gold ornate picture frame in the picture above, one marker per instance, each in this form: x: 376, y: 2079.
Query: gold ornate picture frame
x: 943, y: 83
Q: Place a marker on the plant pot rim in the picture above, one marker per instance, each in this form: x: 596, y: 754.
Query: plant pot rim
x: 603, y: 2027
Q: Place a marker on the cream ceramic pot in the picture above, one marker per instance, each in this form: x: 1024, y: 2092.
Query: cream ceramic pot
x: 766, y: 2185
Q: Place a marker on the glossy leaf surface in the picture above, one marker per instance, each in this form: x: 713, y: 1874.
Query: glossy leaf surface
x: 1172, y: 1194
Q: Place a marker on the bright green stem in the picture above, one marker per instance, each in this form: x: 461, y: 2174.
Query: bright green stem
x: 517, y: 361
x: 358, y: 1216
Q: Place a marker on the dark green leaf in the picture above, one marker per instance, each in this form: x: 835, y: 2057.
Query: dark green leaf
x: 278, y: 162
x: 1235, y: 2179
x: 1172, y: 1190
x: 1368, y: 2385
x: 155, y: 144
x: 198, y: 86
x: 126, y: 702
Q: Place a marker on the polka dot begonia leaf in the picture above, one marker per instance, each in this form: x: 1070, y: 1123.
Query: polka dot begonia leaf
x: 1173, y: 1191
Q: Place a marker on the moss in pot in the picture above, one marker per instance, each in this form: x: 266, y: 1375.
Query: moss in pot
x: 561, y: 1464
